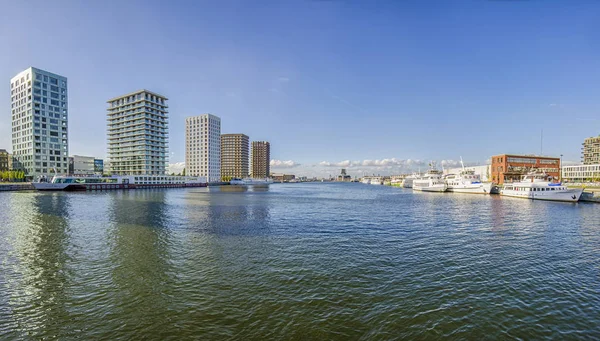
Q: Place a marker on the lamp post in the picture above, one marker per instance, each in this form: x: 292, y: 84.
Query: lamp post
x: 560, y: 171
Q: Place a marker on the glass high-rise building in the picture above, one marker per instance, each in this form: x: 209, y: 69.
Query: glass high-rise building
x: 39, y: 111
x: 138, y: 132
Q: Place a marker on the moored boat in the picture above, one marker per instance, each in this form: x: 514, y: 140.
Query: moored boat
x: 467, y: 182
x: 431, y: 181
x: 539, y: 186
x: 75, y: 183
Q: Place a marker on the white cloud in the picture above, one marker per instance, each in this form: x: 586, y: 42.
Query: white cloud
x: 283, y: 79
x: 284, y: 164
x: 175, y: 167
x: 374, y: 163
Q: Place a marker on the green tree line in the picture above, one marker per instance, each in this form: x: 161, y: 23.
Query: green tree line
x: 12, y: 175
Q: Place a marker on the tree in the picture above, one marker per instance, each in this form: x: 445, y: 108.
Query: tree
x: 183, y: 172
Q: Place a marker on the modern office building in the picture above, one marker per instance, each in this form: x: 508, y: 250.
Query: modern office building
x: 82, y: 165
x: 581, y: 173
x: 510, y: 168
x: 261, y: 158
x: 98, y: 166
x: 138, y: 132
x: 203, y: 146
x: 39, y: 111
x: 590, y: 152
x: 4, y: 160
x: 235, y: 153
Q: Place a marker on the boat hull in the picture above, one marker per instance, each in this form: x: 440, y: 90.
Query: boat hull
x: 433, y: 188
x: 105, y: 187
x: 571, y: 195
x: 480, y: 188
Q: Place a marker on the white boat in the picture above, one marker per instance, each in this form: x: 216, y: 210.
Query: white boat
x: 250, y: 181
x: 407, y: 182
x: 377, y: 180
x: 75, y: 183
x: 431, y: 181
x: 467, y: 182
x: 539, y: 186
x: 366, y: 181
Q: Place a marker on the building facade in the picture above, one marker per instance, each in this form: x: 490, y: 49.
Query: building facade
x: 581, y: 173
x: 511, y: 168
x: 138, y: 133
x: 261, y: 158
x: 203, y: 147
x: 281, y: 177
x: 83, y: 165
x: 39, y: 111
x: 4, y: 160
x: 235, y: 155
x: 98, y: 166
x: 590, y: 152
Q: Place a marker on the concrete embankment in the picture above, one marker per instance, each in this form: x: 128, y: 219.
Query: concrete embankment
x: 590, y: 196
x: 16, y: 187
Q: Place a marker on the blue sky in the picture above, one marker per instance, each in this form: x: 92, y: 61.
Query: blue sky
x: 328, y: 83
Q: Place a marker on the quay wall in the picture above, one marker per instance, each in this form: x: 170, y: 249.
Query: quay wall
x: 16, y: 187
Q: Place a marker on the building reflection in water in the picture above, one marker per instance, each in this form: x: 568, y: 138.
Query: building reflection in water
x: 40, y: 275
x: 142, y: 276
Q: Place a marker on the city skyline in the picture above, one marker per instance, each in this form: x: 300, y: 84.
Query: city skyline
x: 355, y: 95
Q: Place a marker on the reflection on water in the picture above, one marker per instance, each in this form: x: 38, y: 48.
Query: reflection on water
x: 38, y: 285
x: 296, y: 261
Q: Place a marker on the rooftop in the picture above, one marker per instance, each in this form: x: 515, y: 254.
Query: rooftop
x: 137, y: 92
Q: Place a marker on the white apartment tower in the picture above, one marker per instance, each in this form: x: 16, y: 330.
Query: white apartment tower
x: 138, y: 133
x: 203, y: 146
x: 39, y: 110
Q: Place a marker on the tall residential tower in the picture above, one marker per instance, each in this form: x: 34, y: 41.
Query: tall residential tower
x: 261, y: 158
x: 39, y: 110
x: 234, y: 155
x: 138, y: 132
x: 203, y: 147
x: 590, y: 152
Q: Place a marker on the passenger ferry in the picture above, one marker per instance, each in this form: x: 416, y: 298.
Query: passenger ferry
x: 366, y: 180
x: 74, y: 183
x: 431, y: 181
x: 538, y: 186
x: 467, y: 182
x: 250, y: 181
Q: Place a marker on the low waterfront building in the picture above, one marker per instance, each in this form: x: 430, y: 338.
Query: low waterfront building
x: 282, y: 177
x: 261, y: 159
x: 511, y: 168
x: 4, y: 160
x: 138, y: 133
x: 581, y: 173
x: 590, y: 152
x: 484, y: 171
x: 82, y: 165
x: 234, y: 155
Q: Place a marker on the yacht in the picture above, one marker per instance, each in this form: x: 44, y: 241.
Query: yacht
x: 75, y: 183
x: 366, y: 180
x: 408, y: 181
x: 467, y: 182
x: 431, y: 181
x: 250, y: 181
x: 539, y: 186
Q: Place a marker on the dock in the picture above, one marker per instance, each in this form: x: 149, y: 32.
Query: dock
x: 16, y: 187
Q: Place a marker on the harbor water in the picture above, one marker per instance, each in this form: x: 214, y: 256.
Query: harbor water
x: 304, y: 261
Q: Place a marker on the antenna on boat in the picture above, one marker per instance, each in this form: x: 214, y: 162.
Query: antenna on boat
x: 462, y: 164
